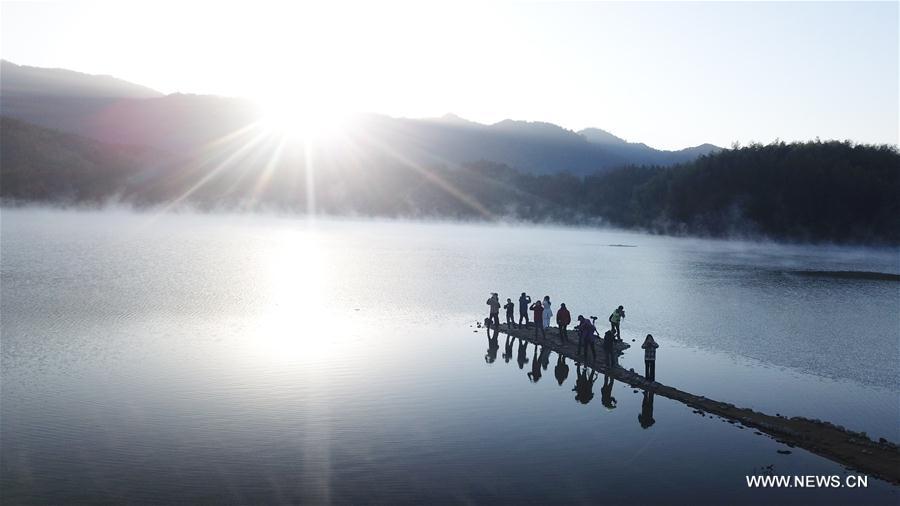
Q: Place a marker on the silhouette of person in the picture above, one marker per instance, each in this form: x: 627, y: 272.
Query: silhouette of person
x: 538, y: 309
x: 547, y: 313
x: 509, y: 307
x: 563, y: 319
x: 524, y: 303
x: 493, y: 346
x: 646, y: 416
x: 586, y: 331
x: 494, y: 302
x: 562, y: 369
x: 584, y: 384
x: 508, y: 348
x: 615, y: 319
x: 650, y: 347
x: 522, y: 356
x: 609, y: 348
x: 606, y: 392
x: 535, y: 374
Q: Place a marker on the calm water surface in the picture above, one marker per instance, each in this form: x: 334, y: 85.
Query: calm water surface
x: 252, y: 359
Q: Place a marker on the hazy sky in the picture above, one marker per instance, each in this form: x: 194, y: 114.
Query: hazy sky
x: 669, y: 74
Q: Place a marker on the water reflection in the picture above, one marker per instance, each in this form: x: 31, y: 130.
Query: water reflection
x: 646, y: 416
x: 561, y: 370
x: 535, y: 374
x: 584, y: 384
x: 508, y: 348
x: 606, y: 396
x: 538, y: 362
x: 493, y: 346
x: 522, y: 356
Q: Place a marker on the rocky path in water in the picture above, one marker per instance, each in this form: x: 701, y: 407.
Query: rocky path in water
x: 852, y: 449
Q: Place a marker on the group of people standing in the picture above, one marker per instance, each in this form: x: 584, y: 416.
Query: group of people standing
x: 586, y: 329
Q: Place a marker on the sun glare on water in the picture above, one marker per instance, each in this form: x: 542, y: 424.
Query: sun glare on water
x: 297, y: 324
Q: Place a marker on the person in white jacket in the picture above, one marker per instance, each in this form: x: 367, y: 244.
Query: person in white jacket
x: 547, y: 311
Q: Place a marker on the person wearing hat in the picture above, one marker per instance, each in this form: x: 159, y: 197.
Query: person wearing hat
x: 494, y: 302
x: 615, y: 319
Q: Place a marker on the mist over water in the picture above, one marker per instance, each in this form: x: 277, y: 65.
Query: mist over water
x: 253, y: 358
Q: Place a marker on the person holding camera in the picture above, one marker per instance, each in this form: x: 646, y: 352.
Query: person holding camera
x: 524, y: 304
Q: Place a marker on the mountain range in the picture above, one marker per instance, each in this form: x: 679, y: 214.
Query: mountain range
x: 111, y: 110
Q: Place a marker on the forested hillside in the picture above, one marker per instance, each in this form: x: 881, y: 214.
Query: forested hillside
x: 814, y: 191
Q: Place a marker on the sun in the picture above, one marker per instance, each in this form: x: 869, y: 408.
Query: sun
x: 302, y: 118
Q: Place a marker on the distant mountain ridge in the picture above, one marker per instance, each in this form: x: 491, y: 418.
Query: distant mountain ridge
x: 111, y: 110
x: 810, y: 192
x: 39, y: 81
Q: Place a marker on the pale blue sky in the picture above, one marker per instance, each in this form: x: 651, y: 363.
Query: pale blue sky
x: 669, y: 74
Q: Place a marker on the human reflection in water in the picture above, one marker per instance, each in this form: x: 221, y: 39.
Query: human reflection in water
x: 545, y: 357
x: 561, y: 370
x: 535, y: 374
x: 646, y: 416
x: 522, y: 357
x: 507, y: 348
x: 606, y: 392
x: 493, y: 347
x: 584, y: 384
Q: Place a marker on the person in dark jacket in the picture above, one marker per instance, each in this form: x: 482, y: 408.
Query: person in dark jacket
x: 586, y: 331
x: 524, y: 303
x: 563, y: 319
x: 538, y: 309
x: 509, y: 307
x: 650, y: 347
x: 609, y: 348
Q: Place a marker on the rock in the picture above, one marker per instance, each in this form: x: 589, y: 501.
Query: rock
x: 784, y: 452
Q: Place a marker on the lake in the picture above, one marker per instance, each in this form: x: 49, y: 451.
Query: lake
x: 275, y: 359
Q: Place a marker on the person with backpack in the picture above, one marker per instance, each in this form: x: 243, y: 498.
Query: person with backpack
x: 509, y: 307
x: 563, y: 319
x: 615, y: 319
x: 538, y: 309
x: 524, y: 303
x: 650, y: 347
